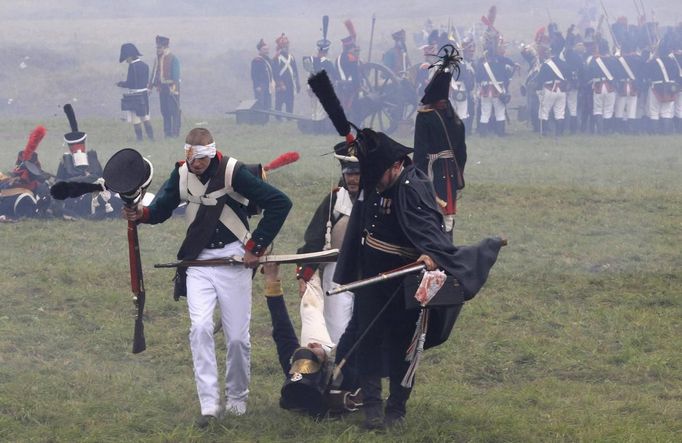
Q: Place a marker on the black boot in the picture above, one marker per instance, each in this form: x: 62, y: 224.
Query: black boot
x: 559, y: 127
x: 372, y: 403
x: 500, y: 128
x: 138, y: 132
x: 149, y: 130
x: 598, y: 124
x: 667, y: 126
x: 544, y: 128
x: 483, y: 128
x: 396, y: 405
x: 678, y: 125
x: 573, y: 125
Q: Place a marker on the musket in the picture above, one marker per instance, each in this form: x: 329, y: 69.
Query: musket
x: 608, y: 25
x: 388, y: 275
x: 137, y: 286
x: 371, y: 39
x: 310, y: 257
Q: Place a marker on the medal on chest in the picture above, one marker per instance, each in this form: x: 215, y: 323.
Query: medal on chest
x: 385, y: 205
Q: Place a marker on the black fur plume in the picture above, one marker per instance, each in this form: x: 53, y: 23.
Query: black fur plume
x: 64, y: 190
x: 323, y: 89
x: 68, y: 110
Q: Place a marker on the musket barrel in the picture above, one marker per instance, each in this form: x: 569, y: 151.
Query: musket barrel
x: 377, y: 279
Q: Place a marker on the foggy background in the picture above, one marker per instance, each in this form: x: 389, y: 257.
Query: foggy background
x: 58, y: 52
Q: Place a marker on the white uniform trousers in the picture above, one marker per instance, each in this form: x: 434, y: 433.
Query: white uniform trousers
x: 603, y: 102
x: 230, y: 287
x: 313, y: 325
x: 678, y: 105
x: 338, y: 308
x: 551, y: 101
x: 461, y: 108
x: 572, y: 102
x: 625, y: 107
x: 490, y: 106
x: 658, y: 109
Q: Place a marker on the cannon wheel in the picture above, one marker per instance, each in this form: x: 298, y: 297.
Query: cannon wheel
x: 386, y: 99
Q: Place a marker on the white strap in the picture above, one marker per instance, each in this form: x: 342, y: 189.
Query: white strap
x: 666, y: 77
x: 492, y: 78
x: 604, y: 69
x: 342, y: 74
x: 626, y: 66
x: 287, y: 65
x: 554, y: 68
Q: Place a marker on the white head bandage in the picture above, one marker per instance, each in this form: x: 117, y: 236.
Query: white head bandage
x: 197, y: 151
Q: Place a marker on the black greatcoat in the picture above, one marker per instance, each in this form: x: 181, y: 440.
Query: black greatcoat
x: 420, y: 220
x: 436, y: 131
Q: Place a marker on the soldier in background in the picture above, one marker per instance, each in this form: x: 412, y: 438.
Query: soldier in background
x: 629, y: 72
x: 286, y: 75
x: 439, y: 142
x: 676, y: 56
x: 551, y: 82
x: 572, y: 55
x: 463, y: 85
x: 263, y: 78
x: 166, y: 79
x: 600, y: 68
x: 396, y: 58
x: 347, y: 67
x: 136, y: 101
x: 663, y: 74
x: 493, y: 73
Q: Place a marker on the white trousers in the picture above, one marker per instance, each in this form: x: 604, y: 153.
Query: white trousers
x: 572, y: 103
x: 678, y: 105
x: 230, y: 288
x: 313, y: 325
x: 625, y: 107
x: 551, y: 101
x: 490, y: 106
x: 338, y: 308
x: 603, y: 102
x: 659, y: 109
x: 132, y: 117
x: 461, y: 108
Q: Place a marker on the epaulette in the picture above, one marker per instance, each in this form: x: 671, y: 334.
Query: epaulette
x: 335, y: 190
x: 180, y: 163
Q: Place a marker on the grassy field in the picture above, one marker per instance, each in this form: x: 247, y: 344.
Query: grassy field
x: 575, y: 337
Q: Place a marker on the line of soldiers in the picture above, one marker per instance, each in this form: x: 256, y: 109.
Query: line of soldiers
x: 629, y: 87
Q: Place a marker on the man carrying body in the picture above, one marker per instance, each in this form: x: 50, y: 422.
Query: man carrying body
x: 166, y: 79
x: 394, y: 222
x: 218, y: 228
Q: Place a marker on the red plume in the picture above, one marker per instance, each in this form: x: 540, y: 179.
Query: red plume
x: 284, y: 159
x: 489, y: 20
x: 351, y: 28
x: 33, y: 141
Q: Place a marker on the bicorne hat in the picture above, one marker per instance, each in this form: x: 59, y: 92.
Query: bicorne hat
x: 128, y: 50
x: 376, y: 153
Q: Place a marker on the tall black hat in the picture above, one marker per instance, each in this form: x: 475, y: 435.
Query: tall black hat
x: 75, y: 136
x: 162, y: 41
x: 346, y: 155
x: 128, y: 50
x: 377, y: 152
x: 128, y: 173
x: 439, y: 87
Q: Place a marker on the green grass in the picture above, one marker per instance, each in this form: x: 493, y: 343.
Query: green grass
x: 575, y: 337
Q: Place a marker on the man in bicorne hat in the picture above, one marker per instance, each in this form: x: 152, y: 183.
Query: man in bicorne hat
x: 286, y: 75
x: 166, y: 79
x: 394, y: 222
x: 217, y: 228
x: 439, y: 144
x: 263, y: 77
x: 396, y: 58
x: 136, y: 101
x: 326, y: 230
